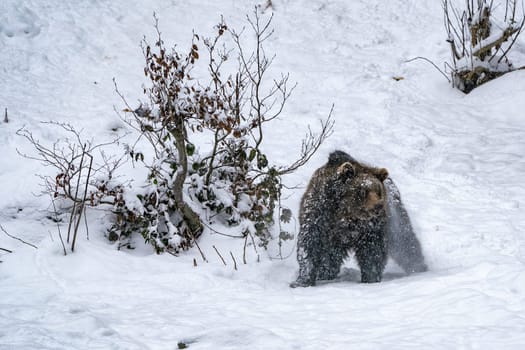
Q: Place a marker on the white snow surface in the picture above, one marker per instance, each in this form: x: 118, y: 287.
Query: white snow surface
x: 457, y: 159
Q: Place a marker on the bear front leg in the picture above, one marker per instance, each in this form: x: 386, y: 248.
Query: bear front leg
x: 371, y: 256
x: 330, y: 263
x: 307, y: 271
x: 308, y: 256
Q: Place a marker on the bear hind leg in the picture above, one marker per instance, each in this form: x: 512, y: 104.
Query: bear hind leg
x: 371, y: 256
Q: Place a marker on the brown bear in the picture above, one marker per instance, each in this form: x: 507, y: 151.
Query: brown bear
x: 349, y: 206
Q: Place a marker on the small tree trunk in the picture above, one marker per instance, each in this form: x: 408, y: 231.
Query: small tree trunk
x: 189, y: 216
x: 179, y: 133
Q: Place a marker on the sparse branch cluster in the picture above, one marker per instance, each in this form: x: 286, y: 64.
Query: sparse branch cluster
x: 78, y: 181
x: 72, y: 158
x: 480, y: 37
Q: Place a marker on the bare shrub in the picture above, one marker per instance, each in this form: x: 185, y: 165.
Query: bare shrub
x: 480, y: 40
x: 78, y: 182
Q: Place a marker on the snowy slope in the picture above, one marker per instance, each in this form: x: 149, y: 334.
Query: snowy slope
x: 458, y: 161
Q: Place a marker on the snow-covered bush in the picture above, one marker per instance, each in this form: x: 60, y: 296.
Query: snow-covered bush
x: 234, y: 183
x: 481, y: 36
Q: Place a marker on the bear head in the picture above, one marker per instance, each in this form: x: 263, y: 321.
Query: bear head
x: 361, y: 192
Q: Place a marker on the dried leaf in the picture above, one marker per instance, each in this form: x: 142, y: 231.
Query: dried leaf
x: 286, y: 215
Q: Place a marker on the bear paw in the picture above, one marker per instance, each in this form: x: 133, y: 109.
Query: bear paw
x: 302, y: 283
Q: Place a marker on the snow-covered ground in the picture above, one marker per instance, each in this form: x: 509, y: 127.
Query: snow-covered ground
x: 458, y: 161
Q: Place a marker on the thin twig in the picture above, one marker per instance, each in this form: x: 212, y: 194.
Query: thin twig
x: 311, y: 144
x: 519, y: 29
x: 221, y: 233
x: 429, y: 61
x: 254, y: 245
x: 83, y: 202
x: 244, y: 250
x: 18, y: 239
x: 220, y: 256
x: 198, y: 247
x: 6, y: 250
x: 58, y: 226
x: 234, y: 262
x: 86, y: 223
x: 74, y: 210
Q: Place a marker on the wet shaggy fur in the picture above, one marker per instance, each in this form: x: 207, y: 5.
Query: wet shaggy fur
x: 402, y: 243
x: 347, y: 207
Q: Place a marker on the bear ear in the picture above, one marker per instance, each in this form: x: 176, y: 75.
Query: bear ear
x: 345, y: 171
x: 381, y: 174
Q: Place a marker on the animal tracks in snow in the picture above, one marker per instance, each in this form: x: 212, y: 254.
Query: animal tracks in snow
x: 22, y: 23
